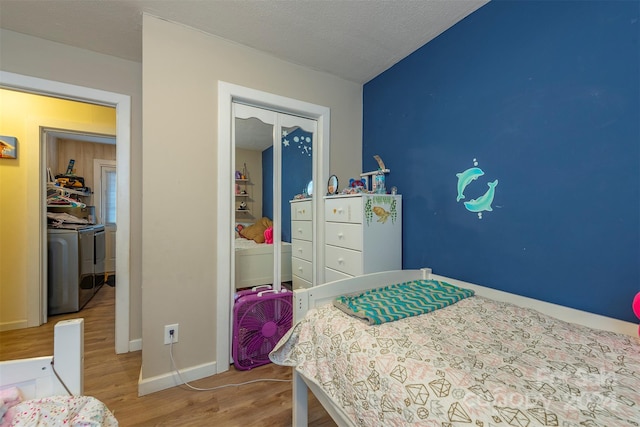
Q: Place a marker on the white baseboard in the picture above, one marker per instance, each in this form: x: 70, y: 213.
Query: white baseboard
x: 9, y: 326
x: 171, y: 379
x: 135, y: 345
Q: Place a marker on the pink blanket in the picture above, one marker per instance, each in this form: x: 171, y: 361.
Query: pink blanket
x: 56, y: 411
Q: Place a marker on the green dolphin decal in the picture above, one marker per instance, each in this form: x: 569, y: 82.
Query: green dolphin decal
x: 465, y: 178
x: 483, y: 203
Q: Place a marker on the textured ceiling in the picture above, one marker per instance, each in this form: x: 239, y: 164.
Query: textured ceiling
x: 352, y: 39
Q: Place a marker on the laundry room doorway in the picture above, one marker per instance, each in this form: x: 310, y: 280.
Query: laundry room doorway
x: 34, y: 243
x: 89, y: 160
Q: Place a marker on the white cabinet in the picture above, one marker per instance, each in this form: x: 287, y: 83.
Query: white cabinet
x: 302, y: 243
x: 363, y: 234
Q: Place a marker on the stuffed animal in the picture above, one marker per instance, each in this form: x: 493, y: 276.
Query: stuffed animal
x: 256, y: 231
x: 636, y: 308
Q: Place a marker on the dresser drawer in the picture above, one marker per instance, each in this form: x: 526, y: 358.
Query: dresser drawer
x: 301, y: 268
x: 301, y: 230
x: 343, y: 209
x: 301, y: 210
x: 299, y: 283
x: 331, y: 275
x: 302, y: 249
x: 344, y: 260
x: 343, y: 234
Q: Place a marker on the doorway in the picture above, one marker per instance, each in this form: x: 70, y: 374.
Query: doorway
x: 227, y: 94
x: 122, y: 104
x: 91, y: 154
x: 105, y: 190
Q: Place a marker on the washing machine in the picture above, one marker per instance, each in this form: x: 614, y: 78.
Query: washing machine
x: 72, y: 265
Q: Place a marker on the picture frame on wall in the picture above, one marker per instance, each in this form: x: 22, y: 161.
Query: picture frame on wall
x: 8, y: 147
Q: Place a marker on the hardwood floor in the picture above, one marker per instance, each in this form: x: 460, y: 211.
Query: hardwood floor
x: 114, y: 380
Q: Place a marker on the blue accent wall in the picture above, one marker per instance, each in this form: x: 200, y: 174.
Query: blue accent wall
x: 544, y: 95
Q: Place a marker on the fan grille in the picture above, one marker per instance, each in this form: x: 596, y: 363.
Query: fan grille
x: 260, y: 320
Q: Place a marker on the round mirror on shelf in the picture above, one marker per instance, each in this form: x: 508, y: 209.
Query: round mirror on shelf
x: 332, y: 185
x: 310, y: 188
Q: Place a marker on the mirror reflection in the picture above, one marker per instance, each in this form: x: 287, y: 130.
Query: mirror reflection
x: 297, y: 167
x: 253, y: 192
x: 268, y: 180
x: 296, y: 171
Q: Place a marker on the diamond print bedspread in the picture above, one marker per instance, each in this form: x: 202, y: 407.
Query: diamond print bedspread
x: 478, y: 362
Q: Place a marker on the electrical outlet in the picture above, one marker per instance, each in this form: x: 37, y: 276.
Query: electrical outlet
x: 167, y: 333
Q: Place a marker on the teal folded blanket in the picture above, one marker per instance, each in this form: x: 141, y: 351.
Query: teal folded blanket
x: 402, y: 300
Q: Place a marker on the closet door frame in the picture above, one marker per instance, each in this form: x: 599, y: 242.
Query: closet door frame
x: 227, y: 94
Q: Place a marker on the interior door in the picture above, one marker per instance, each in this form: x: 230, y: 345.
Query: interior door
x: 107, y: 214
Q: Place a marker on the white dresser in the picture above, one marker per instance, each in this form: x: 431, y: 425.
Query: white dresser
x: 363, y: 234
x: 302, y: 243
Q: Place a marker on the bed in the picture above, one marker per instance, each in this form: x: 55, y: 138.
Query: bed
x: 487, y: 360
x: 254, y: 263
x: 49, y: 390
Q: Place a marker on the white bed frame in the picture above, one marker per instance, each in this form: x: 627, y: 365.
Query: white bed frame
x: 254, y: 265
x: 35, y: 377
x: 305, y: 299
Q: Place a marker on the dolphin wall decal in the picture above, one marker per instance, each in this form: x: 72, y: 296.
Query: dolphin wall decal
x: 483, y: 203
x: 465, y: 178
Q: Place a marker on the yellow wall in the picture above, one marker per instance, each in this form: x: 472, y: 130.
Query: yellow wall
x: 21, y: 116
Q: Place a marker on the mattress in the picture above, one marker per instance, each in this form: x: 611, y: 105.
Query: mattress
x: 250, y: 246
x: 241, y: 244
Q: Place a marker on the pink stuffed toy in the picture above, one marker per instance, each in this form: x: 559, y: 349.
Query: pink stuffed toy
x: 636, y: 308
x: 268, y: 236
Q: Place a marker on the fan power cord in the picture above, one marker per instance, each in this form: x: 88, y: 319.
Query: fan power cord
x: 184, y: 382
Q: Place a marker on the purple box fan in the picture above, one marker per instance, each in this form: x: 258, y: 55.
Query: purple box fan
x: 260, y: 318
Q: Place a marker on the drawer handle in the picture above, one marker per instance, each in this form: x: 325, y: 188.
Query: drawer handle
x: 340, y: 235
x: 299, y: 230
x: 340, y: 260
x: 299, y: 249
x: 299, y: 268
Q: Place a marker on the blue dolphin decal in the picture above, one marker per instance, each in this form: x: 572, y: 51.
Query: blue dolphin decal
x: 483, y: 203
x: 465, y: 178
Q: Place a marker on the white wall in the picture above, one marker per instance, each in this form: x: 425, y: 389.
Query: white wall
x: 40, y: 58
x: 181, y: 71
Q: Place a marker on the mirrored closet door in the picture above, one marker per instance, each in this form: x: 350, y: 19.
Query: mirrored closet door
x: 273, y: 160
